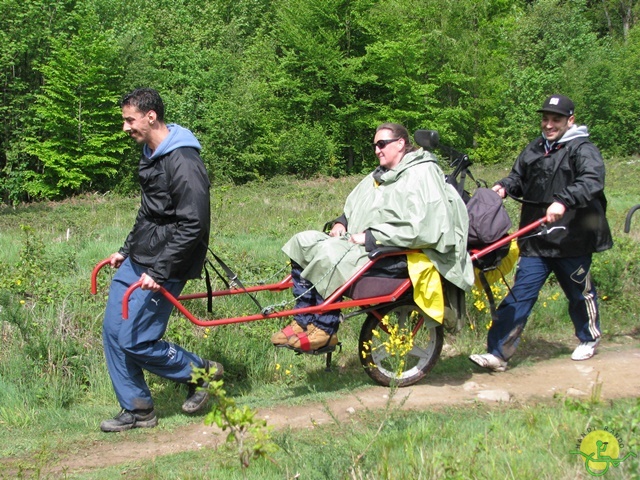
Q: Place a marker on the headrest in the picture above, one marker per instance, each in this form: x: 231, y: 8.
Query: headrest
x: 427, y: 139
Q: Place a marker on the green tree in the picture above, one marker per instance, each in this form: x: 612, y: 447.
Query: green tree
x: 75, y: 133
x: 26, y: 28
x: 320, y: 47
x: 297, y: 86
x: 614, y: 17
x: 544, y: 61
x: 438, y: 64
x: 215, y: 68
x: 609, y: 96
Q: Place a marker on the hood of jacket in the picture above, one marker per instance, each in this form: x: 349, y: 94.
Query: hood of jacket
x: 573, y: 133
x: 178, y: 137
x: 411, y: 159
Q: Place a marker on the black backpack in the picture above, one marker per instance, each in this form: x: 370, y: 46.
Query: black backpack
x: 488, y: 219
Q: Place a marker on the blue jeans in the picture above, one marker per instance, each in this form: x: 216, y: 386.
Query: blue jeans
x: 307, y: 296
x: 574, y: 277
x: 136, y: 344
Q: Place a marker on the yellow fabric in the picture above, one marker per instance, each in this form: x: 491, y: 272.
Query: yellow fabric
x: 506, y: 265
x: 427, y: 286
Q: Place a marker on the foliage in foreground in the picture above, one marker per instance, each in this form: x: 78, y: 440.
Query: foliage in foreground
x: 478, y: 441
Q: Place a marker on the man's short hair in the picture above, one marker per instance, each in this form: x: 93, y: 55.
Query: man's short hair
x: 145, y: 100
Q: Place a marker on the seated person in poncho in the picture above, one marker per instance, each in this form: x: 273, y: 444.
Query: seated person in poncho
x: 405, y: 202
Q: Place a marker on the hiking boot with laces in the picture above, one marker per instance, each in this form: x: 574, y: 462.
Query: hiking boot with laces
x: 282, y: 337
x: 489, y: 361
x: 197, y: 396
x: 128, y: 419
x: 313, y: 339
x: 585, y: 350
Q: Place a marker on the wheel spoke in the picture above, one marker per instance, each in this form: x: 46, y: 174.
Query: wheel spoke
x: 379, y: 338
x: 379, y: 355
x: 420, y: 352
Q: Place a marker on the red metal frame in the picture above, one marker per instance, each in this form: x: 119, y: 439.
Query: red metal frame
x: 333, y: 302
x: 476, y: 254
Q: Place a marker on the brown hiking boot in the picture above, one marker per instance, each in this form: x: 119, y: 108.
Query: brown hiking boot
x: 281, y: 338
x: 197, y: 396
x: 313, y: 339
x: 126, y: 420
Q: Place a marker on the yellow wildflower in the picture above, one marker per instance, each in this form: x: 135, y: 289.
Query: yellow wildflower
x: 480, y: 305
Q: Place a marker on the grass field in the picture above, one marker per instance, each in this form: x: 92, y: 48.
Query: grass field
x: 54, y: 388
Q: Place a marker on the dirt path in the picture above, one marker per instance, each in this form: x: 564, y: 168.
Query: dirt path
x: 613, y: 368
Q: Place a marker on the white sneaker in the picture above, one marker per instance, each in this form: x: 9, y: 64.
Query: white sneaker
x: 489, y: 361
x: 585, y: 350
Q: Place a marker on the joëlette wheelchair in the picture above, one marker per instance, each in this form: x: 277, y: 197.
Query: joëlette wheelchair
x: 386, y: 301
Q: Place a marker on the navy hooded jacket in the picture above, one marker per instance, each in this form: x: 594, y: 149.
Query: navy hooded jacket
x: 171, y: 232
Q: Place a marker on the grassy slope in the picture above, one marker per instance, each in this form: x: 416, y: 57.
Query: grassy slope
x: 54, y: 381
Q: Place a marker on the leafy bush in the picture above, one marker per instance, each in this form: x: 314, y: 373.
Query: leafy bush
x: 305, y: 150
x: 616, y: 274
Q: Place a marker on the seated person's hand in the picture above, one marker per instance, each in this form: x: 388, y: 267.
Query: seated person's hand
x: 358, y: 238
x: 337, y: 230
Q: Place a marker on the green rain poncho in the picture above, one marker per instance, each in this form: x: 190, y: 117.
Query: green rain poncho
x: 412, y: 207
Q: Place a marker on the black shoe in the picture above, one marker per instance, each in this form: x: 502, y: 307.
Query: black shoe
x: 127, y: 420
x: 197, y: 395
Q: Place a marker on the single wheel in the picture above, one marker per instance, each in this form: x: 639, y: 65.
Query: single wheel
x: 383, y: 338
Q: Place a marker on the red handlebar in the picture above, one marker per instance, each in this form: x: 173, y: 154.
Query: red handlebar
x: 163, y: 291
x: 127, y: 293
x: 503, y: 241
x: 94, y: 275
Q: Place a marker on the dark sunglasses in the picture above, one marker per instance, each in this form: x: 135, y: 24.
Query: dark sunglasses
x: 383, y: 143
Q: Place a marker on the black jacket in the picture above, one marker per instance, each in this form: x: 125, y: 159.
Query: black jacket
x: 573, y: 174
x: 171, y: 232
